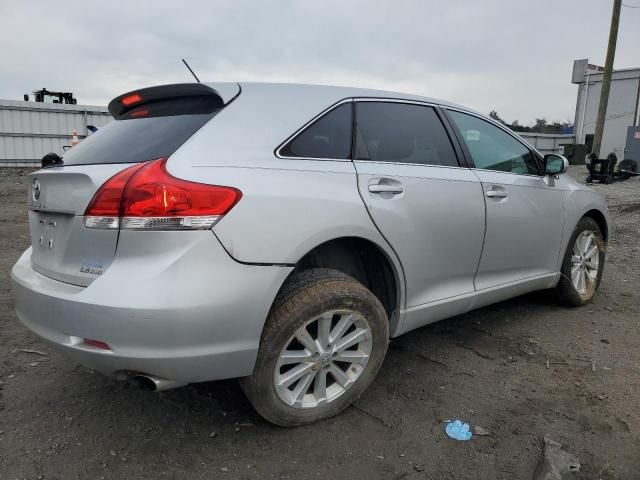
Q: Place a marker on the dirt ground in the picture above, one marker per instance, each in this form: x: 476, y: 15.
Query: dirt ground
x: 489, y: 368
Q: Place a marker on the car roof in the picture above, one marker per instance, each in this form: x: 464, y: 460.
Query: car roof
x: 331, y: 92
x: 262, y: 116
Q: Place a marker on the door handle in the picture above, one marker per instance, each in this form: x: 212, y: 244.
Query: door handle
x: 381, y: 188
x: 496, y: 193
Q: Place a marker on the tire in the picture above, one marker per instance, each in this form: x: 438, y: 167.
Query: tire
x: 310, y: 300
x: 568, y: 290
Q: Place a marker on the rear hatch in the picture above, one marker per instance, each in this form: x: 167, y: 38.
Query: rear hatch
x: 149, y: 123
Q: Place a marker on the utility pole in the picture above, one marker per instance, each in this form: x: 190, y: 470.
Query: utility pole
x: 606, y: 78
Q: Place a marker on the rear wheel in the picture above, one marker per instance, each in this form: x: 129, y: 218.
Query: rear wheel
x: 323, y: 343
x: 583, y: 264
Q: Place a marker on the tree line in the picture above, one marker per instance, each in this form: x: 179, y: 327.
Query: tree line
x: 540, y: 126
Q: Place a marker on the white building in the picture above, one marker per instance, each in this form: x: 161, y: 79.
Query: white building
x: 623, y: 110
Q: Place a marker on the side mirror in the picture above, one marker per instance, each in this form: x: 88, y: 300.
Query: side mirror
x: 555, y: 164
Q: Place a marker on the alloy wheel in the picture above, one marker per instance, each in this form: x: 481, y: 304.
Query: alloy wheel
x: 585, y: 262
x: 323, y: 359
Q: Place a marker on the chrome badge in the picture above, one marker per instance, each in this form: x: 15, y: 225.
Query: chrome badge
x: 35, y: 190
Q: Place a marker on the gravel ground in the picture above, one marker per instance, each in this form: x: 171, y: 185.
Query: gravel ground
x: 489, y: 367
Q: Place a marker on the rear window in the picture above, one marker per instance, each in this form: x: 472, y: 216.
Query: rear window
x: 327, y: 137
x: 402, y: 133
x: 136, y: 139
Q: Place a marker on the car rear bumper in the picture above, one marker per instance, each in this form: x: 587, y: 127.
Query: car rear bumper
x: 173, y: 305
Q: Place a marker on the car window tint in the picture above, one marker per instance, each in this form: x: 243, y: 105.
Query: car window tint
x: 492, y: 148
x: 136, y: 140
x: 403, y: 133
x: 327, y: 137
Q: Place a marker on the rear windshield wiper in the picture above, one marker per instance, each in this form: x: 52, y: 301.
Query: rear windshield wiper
x: 52, y: 159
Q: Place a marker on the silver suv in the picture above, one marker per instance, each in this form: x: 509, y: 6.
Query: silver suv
x: 284, y: 233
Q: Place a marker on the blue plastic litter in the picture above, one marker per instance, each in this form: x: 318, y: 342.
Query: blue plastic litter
x: 458, y: 430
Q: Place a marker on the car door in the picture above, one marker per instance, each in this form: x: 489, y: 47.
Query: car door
x: 427, y: 205
x: 525, y: 212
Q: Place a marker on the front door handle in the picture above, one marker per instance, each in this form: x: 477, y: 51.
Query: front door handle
x: 493, y: 193
x: 381, y: 188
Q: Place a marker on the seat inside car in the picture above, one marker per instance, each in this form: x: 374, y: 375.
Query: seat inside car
x: 397, y: 148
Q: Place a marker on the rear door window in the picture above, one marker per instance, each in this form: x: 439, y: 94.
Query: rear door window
x: 402, y: 133
x: 136, y: 139
x: 327, y: 137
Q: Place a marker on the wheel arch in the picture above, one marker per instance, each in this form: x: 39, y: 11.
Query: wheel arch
x: 367, y: 262
x: 601, y: 220
x: 592, y: 212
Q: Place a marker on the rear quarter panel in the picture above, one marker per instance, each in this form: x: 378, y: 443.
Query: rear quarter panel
x: 289, y: 209
x: 289, y: 206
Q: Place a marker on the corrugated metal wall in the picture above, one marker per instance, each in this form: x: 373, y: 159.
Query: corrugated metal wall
x: 547, y: 142
x: 29, y: 130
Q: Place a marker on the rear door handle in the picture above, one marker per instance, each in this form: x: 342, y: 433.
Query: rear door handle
x: 380, y: 188
x: 494, y: 193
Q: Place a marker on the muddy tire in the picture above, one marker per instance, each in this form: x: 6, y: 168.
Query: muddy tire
x: 322, y: 345
x: 582, y: 265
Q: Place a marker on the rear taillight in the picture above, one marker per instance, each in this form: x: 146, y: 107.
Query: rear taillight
x: 147, y: 197
x: 104, y: 209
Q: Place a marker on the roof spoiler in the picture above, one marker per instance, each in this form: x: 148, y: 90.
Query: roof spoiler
x: 123, y: 104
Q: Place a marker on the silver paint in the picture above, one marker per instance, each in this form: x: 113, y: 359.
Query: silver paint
x: 190, y: 306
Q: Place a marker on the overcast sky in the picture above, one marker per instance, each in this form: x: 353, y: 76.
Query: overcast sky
x: 514, y: 56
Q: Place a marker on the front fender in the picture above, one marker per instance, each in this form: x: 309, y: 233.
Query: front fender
x: 577, y: 204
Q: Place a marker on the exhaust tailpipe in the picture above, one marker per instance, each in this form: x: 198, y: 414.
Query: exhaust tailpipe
x: 155, y: 384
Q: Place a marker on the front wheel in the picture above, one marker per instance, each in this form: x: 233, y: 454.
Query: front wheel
x: 322, y: 345
x: 583, y: 264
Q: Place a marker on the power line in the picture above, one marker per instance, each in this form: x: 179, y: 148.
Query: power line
x: 630, y: 6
